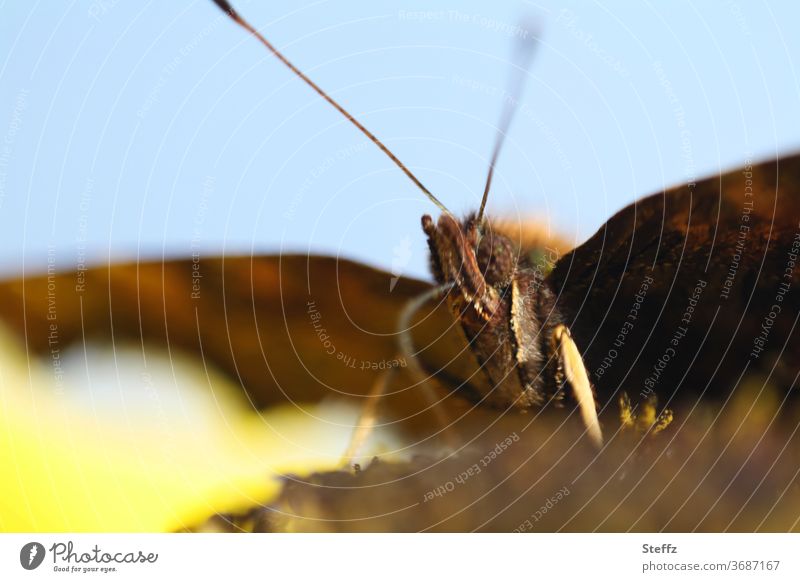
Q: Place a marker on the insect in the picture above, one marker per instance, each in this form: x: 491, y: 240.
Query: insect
x: 678, y: 296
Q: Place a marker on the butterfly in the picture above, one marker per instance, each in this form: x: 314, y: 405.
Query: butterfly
x: 674, y: 300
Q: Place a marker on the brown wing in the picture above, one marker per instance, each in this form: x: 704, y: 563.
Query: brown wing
x: 672, y: 292
x: 287, y: 328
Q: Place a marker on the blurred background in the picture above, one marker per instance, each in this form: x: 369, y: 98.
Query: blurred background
x: 147, y: 129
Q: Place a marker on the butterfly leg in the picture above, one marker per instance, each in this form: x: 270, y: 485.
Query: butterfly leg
x: 367, y: 417
x: 574, y: 372
x: 648, y: 420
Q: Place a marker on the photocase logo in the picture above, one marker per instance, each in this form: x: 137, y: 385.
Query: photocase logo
x: 31, y: 555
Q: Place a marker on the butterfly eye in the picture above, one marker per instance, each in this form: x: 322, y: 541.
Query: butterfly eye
x: 497, y: 259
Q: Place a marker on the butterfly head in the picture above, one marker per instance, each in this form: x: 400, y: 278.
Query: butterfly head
x: 479, y: 262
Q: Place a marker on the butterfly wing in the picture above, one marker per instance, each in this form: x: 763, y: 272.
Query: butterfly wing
x: 672, y: 292
x: 287, y: 328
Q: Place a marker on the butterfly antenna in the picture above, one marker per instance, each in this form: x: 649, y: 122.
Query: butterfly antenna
x: 229, y: 10
x: 523, y: 53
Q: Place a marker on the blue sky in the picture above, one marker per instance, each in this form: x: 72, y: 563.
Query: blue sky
x: 154, y: 128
